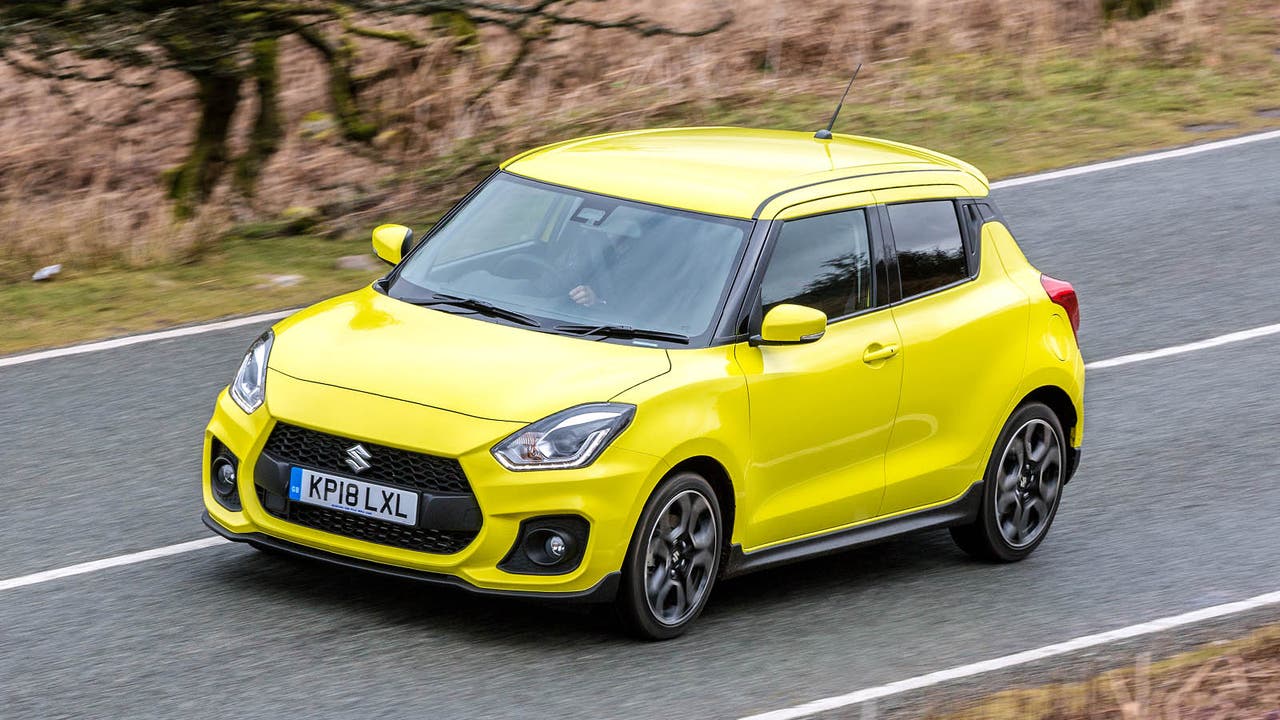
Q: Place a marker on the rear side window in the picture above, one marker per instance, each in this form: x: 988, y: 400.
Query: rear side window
x: 822, y: 262
x: 930, y: 247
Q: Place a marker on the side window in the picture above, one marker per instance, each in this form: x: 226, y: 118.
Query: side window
x: 823, y: 262
x: 930, y: 248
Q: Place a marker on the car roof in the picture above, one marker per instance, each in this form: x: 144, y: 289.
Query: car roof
x: 730, y: 171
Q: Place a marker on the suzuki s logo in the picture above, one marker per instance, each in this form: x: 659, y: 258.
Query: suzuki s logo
x: 358, y: 458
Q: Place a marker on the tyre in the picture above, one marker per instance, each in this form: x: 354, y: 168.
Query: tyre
x: 673, y: 559
x: 1022, y: 488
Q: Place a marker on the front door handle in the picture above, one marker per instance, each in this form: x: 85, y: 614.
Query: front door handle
x: 876, y: 352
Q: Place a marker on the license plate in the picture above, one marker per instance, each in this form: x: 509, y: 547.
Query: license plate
x: 353, y: 496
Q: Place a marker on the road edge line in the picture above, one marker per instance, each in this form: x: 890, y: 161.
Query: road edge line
x: 1027, y: 656
x: 128, y: 340
x: 104, y: 563
x: 1216, y: 341
x: 1151, y: 157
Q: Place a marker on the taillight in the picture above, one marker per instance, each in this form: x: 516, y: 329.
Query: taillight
x: 1062, y: 294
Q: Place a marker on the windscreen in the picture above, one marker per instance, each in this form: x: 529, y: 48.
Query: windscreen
x: 566, y: 256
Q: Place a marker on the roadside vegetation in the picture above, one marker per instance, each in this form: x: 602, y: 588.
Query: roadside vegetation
x: 1237, y: 680
x: 95, y: 174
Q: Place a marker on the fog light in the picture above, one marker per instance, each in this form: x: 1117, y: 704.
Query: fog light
x: 224, y: 477
x: 223, y: 472
x: 549, y: 545
x: 546, y: 547
x: 555, y: 547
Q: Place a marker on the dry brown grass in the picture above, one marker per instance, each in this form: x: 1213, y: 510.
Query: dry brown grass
x: 74, y: 189
x: 1239, y: 680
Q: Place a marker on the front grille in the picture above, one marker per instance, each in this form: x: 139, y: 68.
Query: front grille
x: 322, y: 451
x: 443, y: 542
x: 390, y: 466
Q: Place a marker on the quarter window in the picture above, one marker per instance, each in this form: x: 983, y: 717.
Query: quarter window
x: 822, y: 262
x: 930, y: 248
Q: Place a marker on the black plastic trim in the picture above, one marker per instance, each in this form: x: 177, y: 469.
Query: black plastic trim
x: 731, y: 328
x: 220, y: 450
x: 602, y: 592
x: 750, y: 313
x: 437, y: 510
x: 885, y: 234
x: 576, y: 527
x: 971, y: 223
x: 760, y: 208
x: 963, y: 510
x: 1073, y: 462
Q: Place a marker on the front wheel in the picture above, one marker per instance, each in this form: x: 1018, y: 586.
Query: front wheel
x: 673, y: 559
x: 1021, y: 489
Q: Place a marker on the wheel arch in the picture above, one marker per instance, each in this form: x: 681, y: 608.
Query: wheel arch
x: 1064, y: 408
x: 714, y: 472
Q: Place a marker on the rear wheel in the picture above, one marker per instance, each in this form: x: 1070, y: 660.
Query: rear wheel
x: 674, y: 556
x: 1021, y: 490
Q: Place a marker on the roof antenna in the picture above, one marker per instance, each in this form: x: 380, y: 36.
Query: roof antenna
x: 825, y: 133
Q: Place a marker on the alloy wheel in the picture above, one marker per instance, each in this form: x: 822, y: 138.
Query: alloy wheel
x: 680, y: 558
x: 1028, y: 482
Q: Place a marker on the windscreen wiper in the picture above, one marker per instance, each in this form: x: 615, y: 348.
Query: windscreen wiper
x: 479, y: 306
x: 622, y: 331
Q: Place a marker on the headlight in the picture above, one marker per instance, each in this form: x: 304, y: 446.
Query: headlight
x: 571, y: 438
x: 249, y: 388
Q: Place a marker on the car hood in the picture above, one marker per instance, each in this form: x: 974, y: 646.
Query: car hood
x: 368, y: 342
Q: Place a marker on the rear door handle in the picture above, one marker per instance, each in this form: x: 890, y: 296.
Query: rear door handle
x: 876, y: 352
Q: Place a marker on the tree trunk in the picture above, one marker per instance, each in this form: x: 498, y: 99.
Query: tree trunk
x: 264, y: 138
x: 339, y: 60
x: 342, y: 93
x: 192, y: 182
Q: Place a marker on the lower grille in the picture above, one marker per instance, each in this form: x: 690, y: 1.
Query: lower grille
x: 443, y: 542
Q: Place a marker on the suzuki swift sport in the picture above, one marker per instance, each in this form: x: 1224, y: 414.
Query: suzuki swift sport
x: 626, y: 366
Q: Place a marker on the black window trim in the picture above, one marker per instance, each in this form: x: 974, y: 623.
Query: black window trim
x: 969, y: 243
x: 750, y: 313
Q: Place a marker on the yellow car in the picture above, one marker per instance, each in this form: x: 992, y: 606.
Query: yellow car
x: 628, y: 365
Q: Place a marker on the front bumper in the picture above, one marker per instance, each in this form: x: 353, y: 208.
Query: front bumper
x: 602, y: 592
x: 609, y: 494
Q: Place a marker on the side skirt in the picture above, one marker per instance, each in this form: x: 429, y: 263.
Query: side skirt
x: 963, y: 510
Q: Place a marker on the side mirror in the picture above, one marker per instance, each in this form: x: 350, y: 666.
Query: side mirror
x: 791, y: 325
x: 392, y: 242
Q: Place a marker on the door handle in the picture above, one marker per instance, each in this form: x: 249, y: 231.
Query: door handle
x: 876, y: 352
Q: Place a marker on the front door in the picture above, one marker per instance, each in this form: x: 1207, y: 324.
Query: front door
x: 821, y: 412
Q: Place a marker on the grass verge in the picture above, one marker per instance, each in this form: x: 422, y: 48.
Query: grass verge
x: 234, y: 279
x: 1235, y: 679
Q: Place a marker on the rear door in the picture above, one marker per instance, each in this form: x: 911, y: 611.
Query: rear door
x: 820, y: 412
x: 964, y: 335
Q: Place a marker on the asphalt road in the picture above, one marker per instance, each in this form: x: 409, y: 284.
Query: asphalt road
x: 1174, y: 508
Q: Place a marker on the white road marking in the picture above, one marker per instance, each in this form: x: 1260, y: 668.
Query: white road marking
x: 1076, y: 644
x: 1136, y: 160
x: 117, y: 561
x: 1011, y: 182
x: 144, y: 338
x: 1188, y: 347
